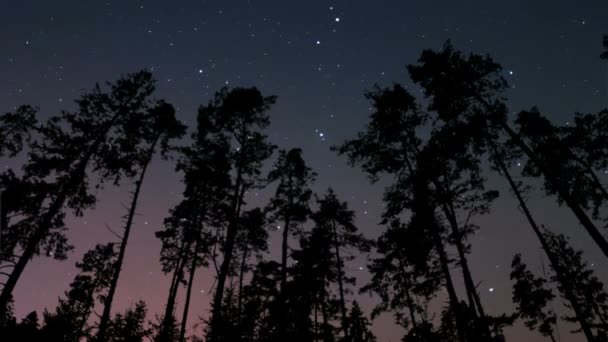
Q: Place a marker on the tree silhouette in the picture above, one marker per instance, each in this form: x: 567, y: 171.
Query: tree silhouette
x: 237, y: 115
x: 604, y: 54
x: 585, y: 289
x: 70, y: 320
x: 188, y: 233
x: 159, y: 126
x: 289, y: 206
x: 469, y: 89
x: 16, y: 130
x: 314, y: 271
x: 405, y: 275
x: 335, y: 217
x: 531, y: 296
x: 392, y: 145
x: 572, y: 168
x: 130, y: 326
x: 251, y: 241
x: 500, y: 158
x: 67, y: 145
x: 359, y: 325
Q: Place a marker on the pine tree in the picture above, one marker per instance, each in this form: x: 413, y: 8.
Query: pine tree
x: 585, y: 289
x: 159, y: 126
x: 16, y: 130
x: 468, y: 90
x: 532, y: 296
x: 289, y: 207
x: 359, y: 325
x: 314, y: 272
x: 130, y: 326
x: 70, y: 321
x: 405, y: 275
x: 334, y: 217
x: 237, y: 116
x: 392, y: 144
x: 69, y: 144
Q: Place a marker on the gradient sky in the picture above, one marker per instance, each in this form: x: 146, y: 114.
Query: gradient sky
x: 318, y: 57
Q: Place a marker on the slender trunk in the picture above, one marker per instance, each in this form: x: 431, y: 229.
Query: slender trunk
x: 217, y: 323
x: 241, y: 277
x: 193, y: 265
x: 473, y: 296
x: 454, y: 302
x: 283, y: 291
x: 580, y: 214
x: 107, y: 308
x: 464, y: 265
x: 408, y: 298
x: 169, y: 317
x: 46, y: 221
x: 340, y: 284
x: 545, y: 245
x: 325, y: 330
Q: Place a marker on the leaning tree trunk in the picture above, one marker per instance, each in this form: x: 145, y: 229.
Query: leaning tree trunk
x: 408, y: 297
x: 107, y: 308
x: 46, y: 222
x: 193, y: 265
x: 34, y: 241
x: 454, y: 302
x: 169, y: 316
x: 544, y: 243
x: 217, y: 322
x: 578, y: 211
x: 471, y: 290
x: 239, y: 310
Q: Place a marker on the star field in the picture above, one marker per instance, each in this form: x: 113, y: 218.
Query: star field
x: 318, y: 57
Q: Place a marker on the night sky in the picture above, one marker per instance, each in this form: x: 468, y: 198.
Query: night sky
x: 318, y: 57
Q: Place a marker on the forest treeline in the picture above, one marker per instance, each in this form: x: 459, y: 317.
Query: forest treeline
x: 436, y: 159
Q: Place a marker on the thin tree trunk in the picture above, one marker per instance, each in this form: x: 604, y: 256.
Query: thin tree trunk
x: 580, y: 214
x: 107, y: 308
x: 325, y: 329
x: 472, y: 294
x: 241, y: 277
x: 545, y: 245
x: 408, y: 297
x: 464, y: 265
x: 169, y: 317
x: 454, y: 302
x: 283, y: 291
x: 217, y: 323
x: 340, y: 284
x: 193, y: 265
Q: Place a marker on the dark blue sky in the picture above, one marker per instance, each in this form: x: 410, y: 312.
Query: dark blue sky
x: 318, y: 57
